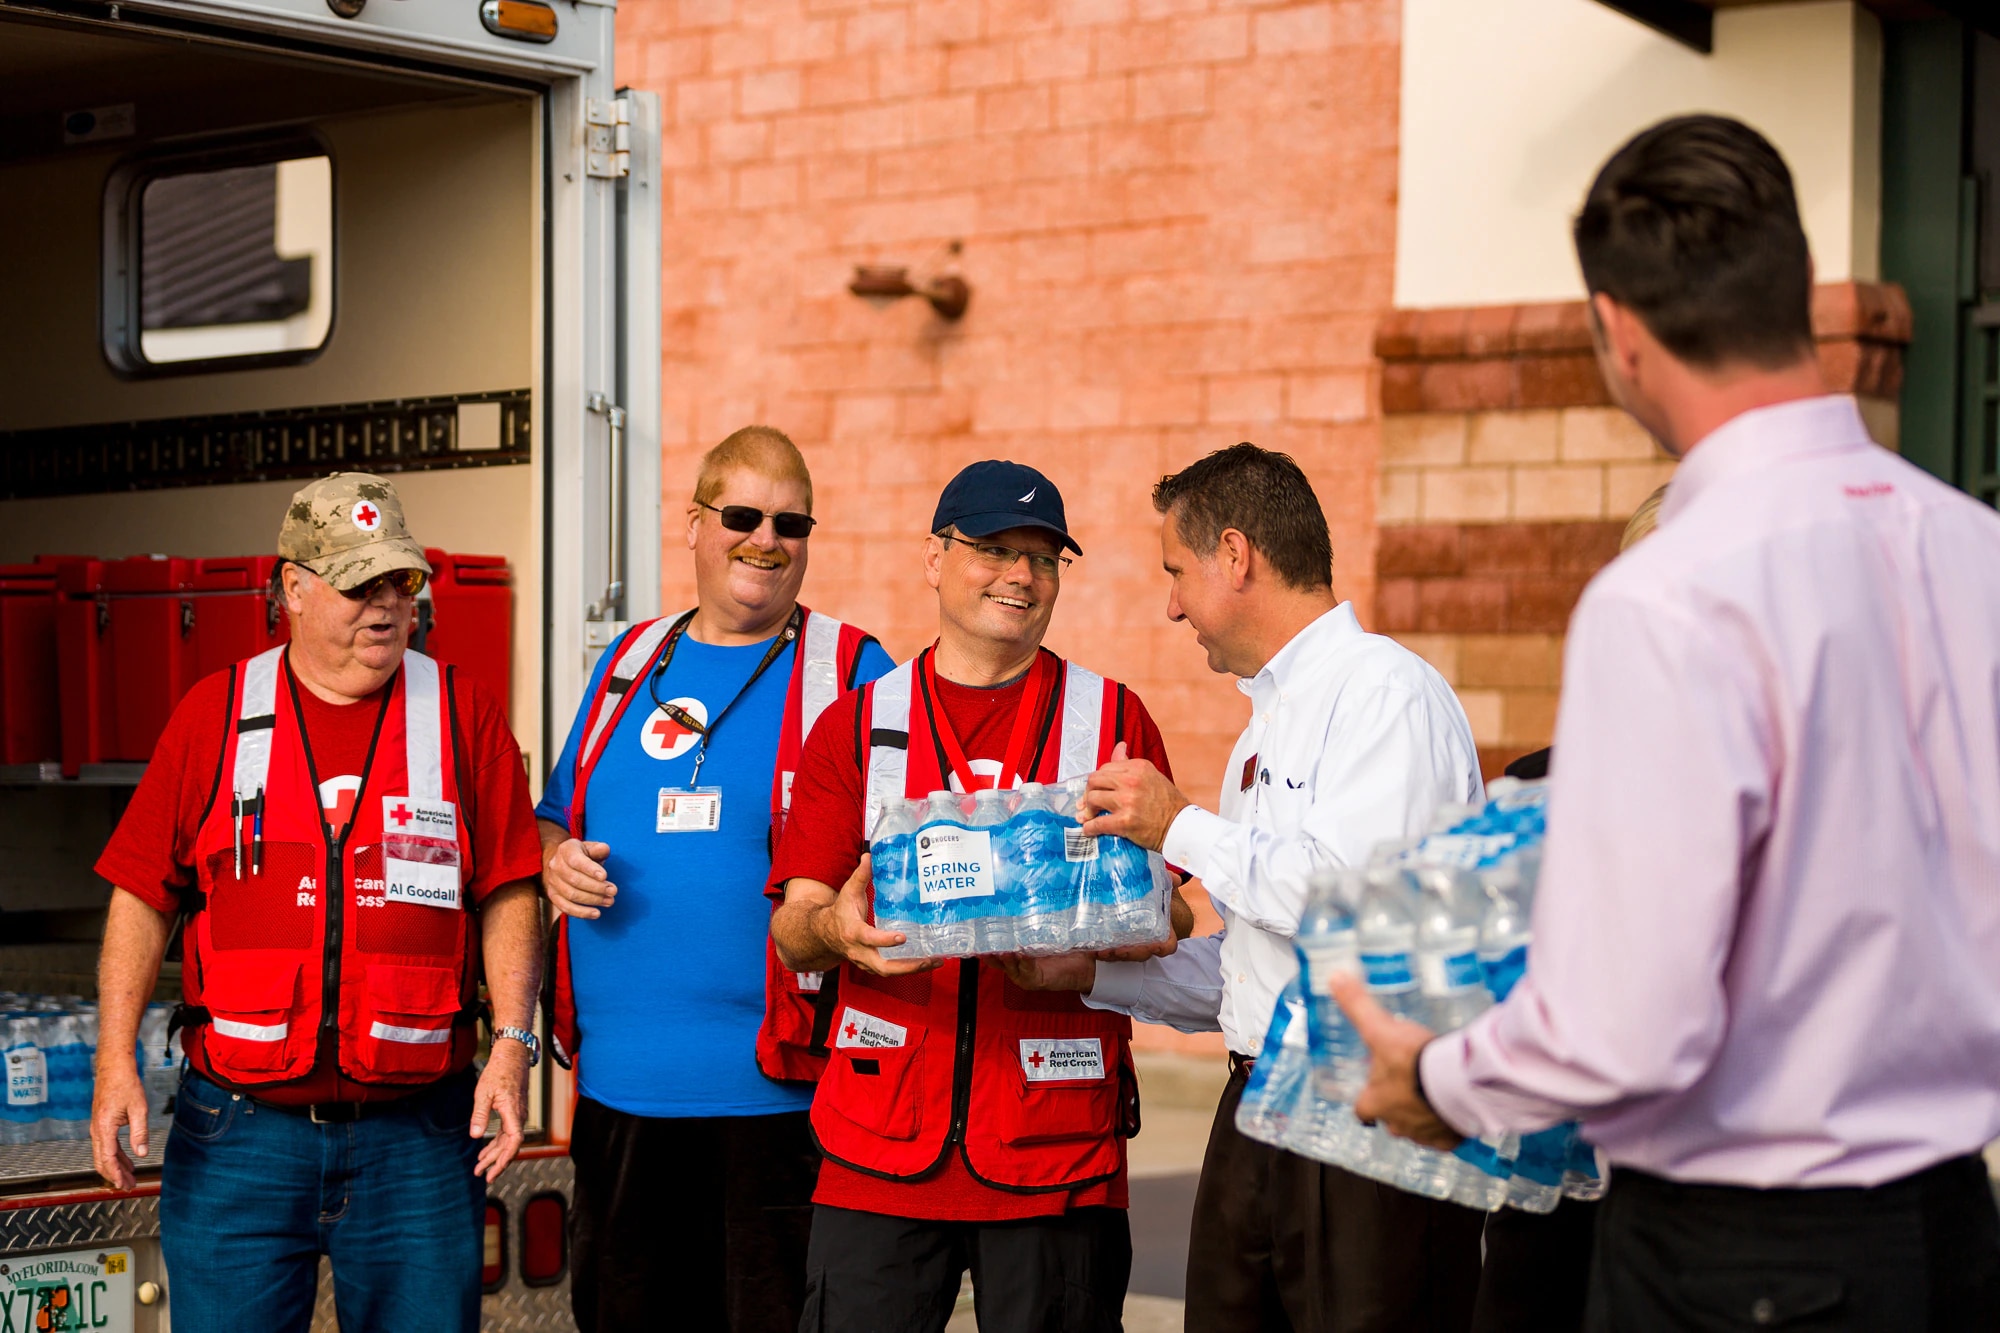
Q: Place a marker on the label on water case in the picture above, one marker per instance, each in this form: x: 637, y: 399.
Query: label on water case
x: 954, y: 863
x: 1078, y: 845
x: 27, y: 1077
x: 1448, y: 973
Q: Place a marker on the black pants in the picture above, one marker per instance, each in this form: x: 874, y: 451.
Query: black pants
x: 869, y: 1273
x: 1921, y: 1253
x: 1537, y: 1270
x: 1281, y: 1242
x: 690, y: 1224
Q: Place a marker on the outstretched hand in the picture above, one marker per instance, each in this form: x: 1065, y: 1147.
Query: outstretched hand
x: 1394, y: 1044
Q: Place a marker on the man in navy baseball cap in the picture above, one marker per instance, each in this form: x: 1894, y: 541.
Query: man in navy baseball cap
x: 995, y: 495
x: 1027, y: 1175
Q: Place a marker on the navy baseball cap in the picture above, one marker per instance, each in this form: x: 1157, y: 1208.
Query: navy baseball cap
x: 996, y: 495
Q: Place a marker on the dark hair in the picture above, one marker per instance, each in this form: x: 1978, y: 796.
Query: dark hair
x: 1694, y: 225
x: 1262, y: 494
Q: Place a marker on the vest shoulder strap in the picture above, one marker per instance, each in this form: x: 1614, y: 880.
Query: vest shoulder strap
x: 642, y: 644
x: 819, y: 668
x: 423, y: 726
x: 887, y: 704
x: 256, y: 719
x: 1082, y: 722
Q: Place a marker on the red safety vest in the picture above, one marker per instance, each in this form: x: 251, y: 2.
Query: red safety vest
x: 360, y: 948
x: 1033, y: 1088
x: 791, y: 1044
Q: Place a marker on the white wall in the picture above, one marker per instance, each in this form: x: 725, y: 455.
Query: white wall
x: 1510, y: 106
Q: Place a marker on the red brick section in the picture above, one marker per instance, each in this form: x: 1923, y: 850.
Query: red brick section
x: 1528, y: 356
x: 1487, y: 578
x: 1177, y: 218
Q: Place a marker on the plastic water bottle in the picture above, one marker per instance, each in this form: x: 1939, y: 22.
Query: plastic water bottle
x: 1037, y: 839
x: 1386, y: 936
x: 948, y: 928
x: 992, y: 921
x: 1504, y: 933
x: 1328, y: 946
x: 159, y: 1059
x: 893, y: 866
x: 1447, y: 948
x: 68, y: 1062
x: 1278, y: 1095
x: 26, y: 1068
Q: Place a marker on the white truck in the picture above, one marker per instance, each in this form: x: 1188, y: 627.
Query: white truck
x: 248, y: 242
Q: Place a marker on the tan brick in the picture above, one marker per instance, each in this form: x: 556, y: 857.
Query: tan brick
x: 1245, y: 398
x: 739, y: 141
x: 1604, y: 435
x: 1486, y: 711
x: 1464, y: 494
x: 1512, y: 437
x: 1012, y: 110
x: 1169, y: 92
x: 1398, y: 496
x: 767, y: 187
x: 1510, y: 661
x: 988, y: 65
x: 1210, y: 37
x: 1299, y: 28
x: 703, y: 99
x: 1094, y: 102
x: 873, y: 128
x: 935, y: 119
x: 1443, y: 651
x: 1528, y: 717
x: 762, y: 92
x: 880, y: 30
x: 1424, y: 437
x: 1545, y: 492
x: 1340, y: 396
x: 1626, y: 486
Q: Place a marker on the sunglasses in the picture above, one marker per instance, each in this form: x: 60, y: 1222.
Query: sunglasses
x: 742, y: 518
x: 407, y: 582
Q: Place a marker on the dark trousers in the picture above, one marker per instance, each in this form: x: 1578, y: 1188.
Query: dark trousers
x: 1281, y: 1242
x: 870, y: 1273
x: 689, y: 1224
x: 1921, y: 1253
x: 1537, y: 1270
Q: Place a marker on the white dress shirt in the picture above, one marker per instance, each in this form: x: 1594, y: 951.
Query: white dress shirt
x: 1353, y: 740
x: 1767, y: 939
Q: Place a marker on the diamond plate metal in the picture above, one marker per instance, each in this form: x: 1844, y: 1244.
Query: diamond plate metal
x: 515, y: 1308
x: 75, y: 1225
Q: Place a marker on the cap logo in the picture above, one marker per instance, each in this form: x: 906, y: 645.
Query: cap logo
x: 366, y: 517
x: 1029, y: 497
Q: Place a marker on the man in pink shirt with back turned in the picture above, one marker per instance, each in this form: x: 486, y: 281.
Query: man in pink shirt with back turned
x: 1766, y: 968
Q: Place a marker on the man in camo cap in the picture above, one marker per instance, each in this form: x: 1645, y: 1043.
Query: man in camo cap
x: 346, y: 826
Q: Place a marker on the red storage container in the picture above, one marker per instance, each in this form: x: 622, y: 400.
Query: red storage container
x: 30, y: 729
x: 470, y: 616
x: 81, y: 622
x: 148, y: 643
x: 236, y: 614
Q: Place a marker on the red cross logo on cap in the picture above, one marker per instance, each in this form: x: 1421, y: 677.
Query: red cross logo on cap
x: 1035, y: 1059
x: 401, y: 814
x: 367, y: 517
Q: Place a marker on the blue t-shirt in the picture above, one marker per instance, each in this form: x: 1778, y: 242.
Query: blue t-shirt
x: 670, y: 979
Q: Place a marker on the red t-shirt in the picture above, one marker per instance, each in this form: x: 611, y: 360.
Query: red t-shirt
x: 151, y: 853
x: 823, y: 841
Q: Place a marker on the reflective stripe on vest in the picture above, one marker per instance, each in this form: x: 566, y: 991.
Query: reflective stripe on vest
x: 423, y: 725
x: 819, y: 683
x: 623, y: 675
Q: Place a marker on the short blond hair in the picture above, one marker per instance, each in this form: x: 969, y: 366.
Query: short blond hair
x: 765, y: 450
x: 1644, y: 519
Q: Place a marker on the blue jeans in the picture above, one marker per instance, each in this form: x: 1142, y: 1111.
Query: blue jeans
x: 251, y: 1197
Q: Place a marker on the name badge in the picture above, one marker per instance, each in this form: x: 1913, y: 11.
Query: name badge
x: 954, y: 863
x: 420, y: 852
x: 683, y: 811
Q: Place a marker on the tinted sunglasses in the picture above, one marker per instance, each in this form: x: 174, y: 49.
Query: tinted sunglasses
x: 742, y: 518
x: 408, y: 582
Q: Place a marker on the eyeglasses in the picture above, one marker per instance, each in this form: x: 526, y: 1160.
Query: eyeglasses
x: 742, y: 518
x: 406, y: 582
x: 1041, y: 564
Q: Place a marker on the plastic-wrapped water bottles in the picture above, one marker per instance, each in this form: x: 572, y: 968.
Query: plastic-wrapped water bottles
x: 1011, y: 872
x: 1441, y: 932
x: 159, y: 1059
x: 27, y: 1075
x: 1327, y: 945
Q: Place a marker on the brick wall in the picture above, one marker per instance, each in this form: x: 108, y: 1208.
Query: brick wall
x: 1177, y: 218
x: 1507, y: 479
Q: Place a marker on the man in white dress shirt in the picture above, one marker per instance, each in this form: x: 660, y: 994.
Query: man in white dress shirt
x: 1353, y: 741
x: 1766, y: 968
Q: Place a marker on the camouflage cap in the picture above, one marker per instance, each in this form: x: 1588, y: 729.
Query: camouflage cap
x: 347, y: 528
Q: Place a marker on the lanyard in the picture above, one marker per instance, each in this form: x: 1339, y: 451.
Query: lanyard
x: 687, y: 719
x: 1017, y: 740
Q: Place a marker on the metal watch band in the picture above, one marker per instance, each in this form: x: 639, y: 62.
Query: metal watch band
x: 526, y: 1038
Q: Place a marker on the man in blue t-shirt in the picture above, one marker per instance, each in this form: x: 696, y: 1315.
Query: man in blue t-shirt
x: 694, y: 1170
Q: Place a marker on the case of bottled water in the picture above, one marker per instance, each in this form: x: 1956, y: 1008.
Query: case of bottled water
x: 1438, y: 929
x: 48, y: 1051
x: 1011, y: 872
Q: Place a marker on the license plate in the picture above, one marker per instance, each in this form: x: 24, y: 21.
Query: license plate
x: 61, y: 1293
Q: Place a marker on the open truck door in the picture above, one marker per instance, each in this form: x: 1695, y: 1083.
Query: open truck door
x: 248, y: 242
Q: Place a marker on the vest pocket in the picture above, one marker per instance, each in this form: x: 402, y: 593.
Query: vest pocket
x: 1048, y: 1109
x: 878, y: 1088
x: 254, y: 1026
x: 401, y: 1024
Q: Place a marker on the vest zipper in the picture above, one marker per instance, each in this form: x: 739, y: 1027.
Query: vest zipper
x: 961, y: 1069
x: 335, y: 892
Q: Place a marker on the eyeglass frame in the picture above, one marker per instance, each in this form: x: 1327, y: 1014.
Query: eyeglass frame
x: 762, y: 514
x: 361, y: 592
x: 1060, y: 561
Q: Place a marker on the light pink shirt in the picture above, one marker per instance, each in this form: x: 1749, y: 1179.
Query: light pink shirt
x: 1767, y: 941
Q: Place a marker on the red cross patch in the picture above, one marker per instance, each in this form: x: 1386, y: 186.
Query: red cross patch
x: 366, y: 517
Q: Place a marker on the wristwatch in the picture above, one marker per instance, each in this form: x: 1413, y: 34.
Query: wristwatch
x: 526, y: 1038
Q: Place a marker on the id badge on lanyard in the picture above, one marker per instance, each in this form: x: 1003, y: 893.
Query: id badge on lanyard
x: 689, y: 810
x: 420, y: 852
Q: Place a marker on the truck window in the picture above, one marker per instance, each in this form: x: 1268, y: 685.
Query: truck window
x: 223, y: 262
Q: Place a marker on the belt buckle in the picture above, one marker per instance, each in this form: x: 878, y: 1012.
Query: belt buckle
x: 345, y: 1113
